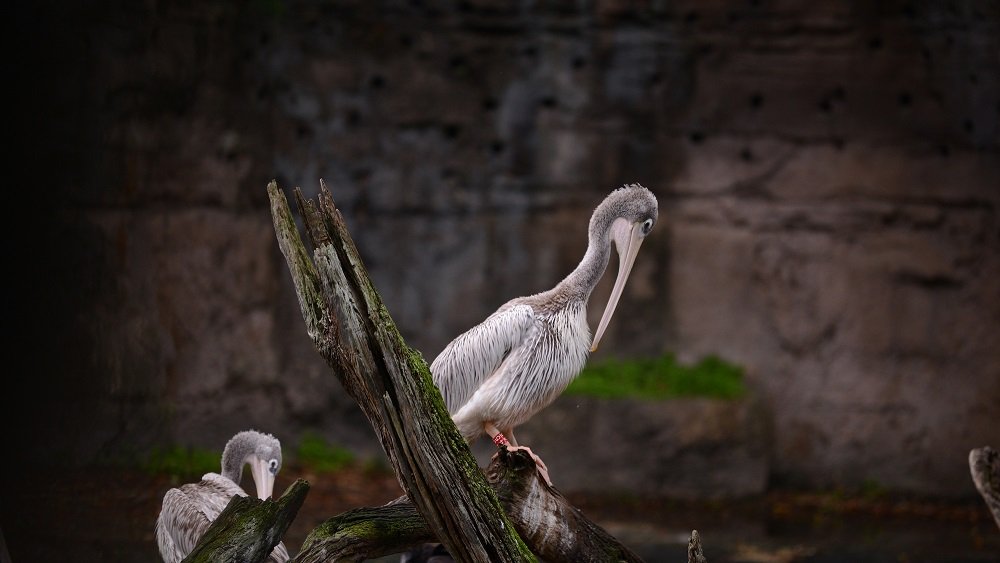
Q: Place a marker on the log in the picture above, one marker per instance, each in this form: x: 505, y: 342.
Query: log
x: 695, y: 553
x: 4, y: 554
x: 249, y: 528
x: 555, y: 530
x: 984, y: 463
x: 365, y: 533
x: 352, y: 330
x: 552, y: 527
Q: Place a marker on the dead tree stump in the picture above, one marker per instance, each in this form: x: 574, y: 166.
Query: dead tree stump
x: 354, y: 333
x: 249, y: 528
x: 984, y: 463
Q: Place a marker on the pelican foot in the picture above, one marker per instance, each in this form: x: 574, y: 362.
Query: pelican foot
x: 542, y: 469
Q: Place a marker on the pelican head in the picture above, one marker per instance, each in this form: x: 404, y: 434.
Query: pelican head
x: 262, y: 452
x: 626, y: 216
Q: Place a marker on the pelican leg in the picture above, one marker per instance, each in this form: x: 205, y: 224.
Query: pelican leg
x: 500, y: 439
x: 497, y: 436
x: 509, y: 433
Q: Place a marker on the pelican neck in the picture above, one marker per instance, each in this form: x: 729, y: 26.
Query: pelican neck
x: 234, y: 457
x: 582, y: 280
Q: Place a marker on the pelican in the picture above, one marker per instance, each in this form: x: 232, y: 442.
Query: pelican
x: 501, y: 372
x: 190, y: 509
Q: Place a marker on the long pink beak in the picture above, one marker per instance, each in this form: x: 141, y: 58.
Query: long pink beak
x: 626, y: 259
x: 262, y: 478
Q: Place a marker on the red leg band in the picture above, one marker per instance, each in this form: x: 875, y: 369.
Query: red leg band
x: 500, y: 440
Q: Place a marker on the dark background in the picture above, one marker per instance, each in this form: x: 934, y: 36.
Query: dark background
x: 827, y: 172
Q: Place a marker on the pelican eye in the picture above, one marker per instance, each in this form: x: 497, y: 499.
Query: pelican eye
x: 272, y: 466
x: 646, y: 226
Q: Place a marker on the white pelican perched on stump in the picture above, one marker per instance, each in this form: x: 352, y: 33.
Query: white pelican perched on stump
x: 190, y: 509
x: 499, y: 373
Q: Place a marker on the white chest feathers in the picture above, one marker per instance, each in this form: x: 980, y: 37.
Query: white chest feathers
x: 553, y: 352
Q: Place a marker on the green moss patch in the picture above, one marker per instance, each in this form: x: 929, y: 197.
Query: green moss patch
x: 316, y: 453
x: 659, y: 378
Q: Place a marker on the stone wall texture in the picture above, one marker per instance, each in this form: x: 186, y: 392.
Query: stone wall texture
x: 828, y: 176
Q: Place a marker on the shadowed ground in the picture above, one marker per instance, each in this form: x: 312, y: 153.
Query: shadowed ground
x: 108, y: 516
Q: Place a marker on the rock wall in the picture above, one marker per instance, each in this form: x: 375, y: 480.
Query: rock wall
x: 827, y: 175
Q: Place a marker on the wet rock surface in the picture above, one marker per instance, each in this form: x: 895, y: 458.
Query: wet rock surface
x: 679, y: 448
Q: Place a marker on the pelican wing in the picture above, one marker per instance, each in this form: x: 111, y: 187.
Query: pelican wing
x: 188, y: 511
x: 279, y: 554
x: 473, y: 356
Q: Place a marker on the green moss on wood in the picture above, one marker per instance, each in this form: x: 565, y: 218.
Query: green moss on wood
x: 249, y: 528
x: 367, y: 532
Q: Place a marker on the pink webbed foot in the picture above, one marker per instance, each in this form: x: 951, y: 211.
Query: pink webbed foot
x: 538, y: 462
x: 500, y: 440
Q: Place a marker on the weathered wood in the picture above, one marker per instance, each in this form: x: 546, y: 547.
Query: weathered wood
x: 249, y: 528
x: 984, y: 463
x: 553, y: 529
x: 695, y: 554
x: 354, y: 333
x: 4, y: 554
x: 365, y: 533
